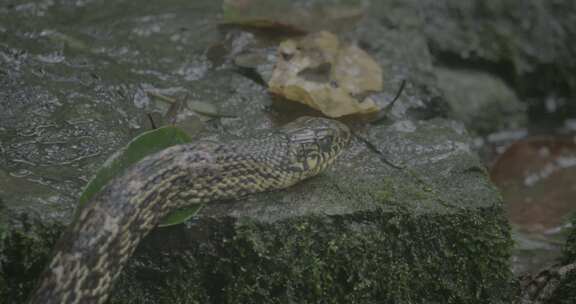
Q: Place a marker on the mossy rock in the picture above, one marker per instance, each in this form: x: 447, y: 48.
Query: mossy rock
x: 569, y: 251
x: 364, y: 232
x: 562, y: 278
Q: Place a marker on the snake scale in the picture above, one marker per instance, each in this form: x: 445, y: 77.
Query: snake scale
x: 93, y: 250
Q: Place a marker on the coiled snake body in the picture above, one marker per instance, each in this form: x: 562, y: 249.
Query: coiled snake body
x: 93, y: 250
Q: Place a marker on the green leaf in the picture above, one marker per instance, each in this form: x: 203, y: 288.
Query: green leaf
x: 180, y: 216
x: 143, y: 145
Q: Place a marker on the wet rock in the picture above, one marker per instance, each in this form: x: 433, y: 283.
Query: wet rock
x: 565, y: 289
x: 554, y: 284
x: 526, y: 43
x: 363, y: 231
x: 433, y: 231
x: 526, y: 34
x: 482, y: 101
x: 404, y: 56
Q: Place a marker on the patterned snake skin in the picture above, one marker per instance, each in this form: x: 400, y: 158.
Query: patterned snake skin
x: 92, y: 252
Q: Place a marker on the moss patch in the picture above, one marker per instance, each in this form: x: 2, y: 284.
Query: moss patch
x: 24, y: 251
x: 565, y: 292
x: 367, y: 257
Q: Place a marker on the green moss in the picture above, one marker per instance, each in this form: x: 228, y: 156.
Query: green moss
x: 565, y: 292
x: 569, y: 251
x: 166, y: 280
x: 23, y: 254
x: 366, y: 257
x: 406, y: 186
x: 375, y: 257
x: 398, y: 259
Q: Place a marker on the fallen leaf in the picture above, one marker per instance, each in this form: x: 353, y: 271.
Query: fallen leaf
x: 143, y: 145
x: 290, y: 16
x: 321, y: 72
x: 537, y: 178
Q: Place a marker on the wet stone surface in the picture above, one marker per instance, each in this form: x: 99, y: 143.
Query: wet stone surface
x: 74, y: 77
x: 361, y: 231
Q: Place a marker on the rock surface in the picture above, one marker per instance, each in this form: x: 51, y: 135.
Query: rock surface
x: 555, y: 284
x: 432, y: 232
x: 480, y: 100
x: 364, y: 232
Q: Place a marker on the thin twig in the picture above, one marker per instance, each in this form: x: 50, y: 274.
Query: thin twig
x: 374, y: 149
x: 384, y: 112
x: 161, y: 97
x: 151, y: 119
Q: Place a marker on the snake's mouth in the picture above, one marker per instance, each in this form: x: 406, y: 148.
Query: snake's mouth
x: 343, y: 133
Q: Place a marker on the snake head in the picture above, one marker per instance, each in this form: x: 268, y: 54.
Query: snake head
x: 316, y: 142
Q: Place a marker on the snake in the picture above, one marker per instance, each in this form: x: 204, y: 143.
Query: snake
x: 93, y: 249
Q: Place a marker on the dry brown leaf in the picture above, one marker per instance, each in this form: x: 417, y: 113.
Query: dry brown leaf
x: 295, y: 17
x: 320, y: 72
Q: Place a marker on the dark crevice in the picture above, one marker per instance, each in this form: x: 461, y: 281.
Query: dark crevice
x: 502, y: 69
x: 372, y: 148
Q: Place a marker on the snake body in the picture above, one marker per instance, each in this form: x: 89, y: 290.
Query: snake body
x: 93, y: 250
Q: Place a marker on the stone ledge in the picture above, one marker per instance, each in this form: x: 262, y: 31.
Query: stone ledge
x: 364, y: 232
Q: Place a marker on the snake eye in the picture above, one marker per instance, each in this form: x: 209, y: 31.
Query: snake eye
x: 325, y: 142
